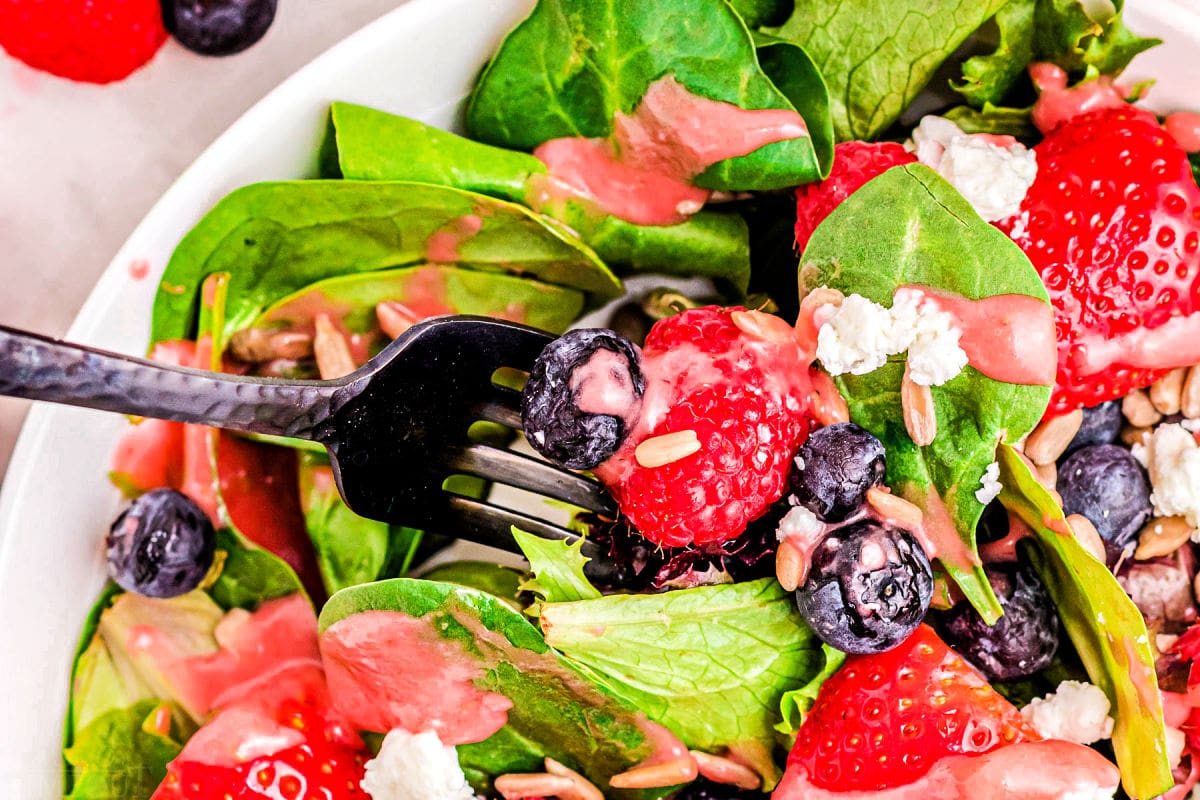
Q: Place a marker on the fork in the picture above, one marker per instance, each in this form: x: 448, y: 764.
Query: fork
x: 395, y: 429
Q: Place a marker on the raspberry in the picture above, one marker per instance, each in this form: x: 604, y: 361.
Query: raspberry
x: 95, y: 41
x: 854, y: 164
x: 739, y: 381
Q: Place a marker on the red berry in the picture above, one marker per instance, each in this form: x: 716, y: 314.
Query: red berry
x: 854, y: 163
x: 1111, y: 224
x: 328, y: 764
x: 96, y: 41
x: 883, y: 720
x: 744, y: 395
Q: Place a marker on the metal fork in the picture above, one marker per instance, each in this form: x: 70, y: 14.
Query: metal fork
x: 395, y: 429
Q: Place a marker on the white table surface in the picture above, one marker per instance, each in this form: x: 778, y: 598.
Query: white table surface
x: 81, y: 164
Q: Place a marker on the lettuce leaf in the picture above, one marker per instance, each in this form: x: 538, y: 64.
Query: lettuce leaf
x: 877, y: 56
x: 120, y: 755
x: 710, y: 663
x: 798, y: 702
x: 557, y: 569
x: 1079, y: 36
x: 908, y: 226
x: 1105, y: 626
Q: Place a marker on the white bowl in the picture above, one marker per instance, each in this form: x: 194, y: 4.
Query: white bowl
x: 420, y: 60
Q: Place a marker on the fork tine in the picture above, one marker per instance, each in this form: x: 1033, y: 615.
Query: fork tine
x: 504, y: 407
x: 523, y: 472
x: 493, y: 526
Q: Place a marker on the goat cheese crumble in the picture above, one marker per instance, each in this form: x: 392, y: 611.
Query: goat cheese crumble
x: 801, y: 522
x: 859, y: 335
x: 415, y: 767
x: 993, y: 173
x: 989, y: 484
x: 1172, y: 458
x: 1076, y: 712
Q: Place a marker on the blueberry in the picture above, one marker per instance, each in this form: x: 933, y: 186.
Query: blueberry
x: 1022, y: 642
x: 868, y: 587
x: 834, y: 470
x: 1101, y: 425
x: 218, y: 27
x: 161, y: 546
x: 1106, y: 484
x: 703, y: 789
x: 583, y: 395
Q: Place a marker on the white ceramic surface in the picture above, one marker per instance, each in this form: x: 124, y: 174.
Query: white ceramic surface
x: 419, y: 60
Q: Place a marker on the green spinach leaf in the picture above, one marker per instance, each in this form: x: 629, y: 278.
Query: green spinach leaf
x: 557, y: 569
x: 1104, y: 625
x: 276, y: 238
x: 1076, y: 35
x: 350, y: 549
x: 249, y: 575
x: 761, y: 12
x: 374, y: 145
x: 877, y: 56
x: 118, y: 756
x: 710, y: 663
x: 495, y: 579
x: 572, y: 65
x: 557, y: 710
x: 908, y: 226
x: 1000, y: 120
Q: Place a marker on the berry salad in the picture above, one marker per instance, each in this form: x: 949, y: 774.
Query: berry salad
x: 908, y: 475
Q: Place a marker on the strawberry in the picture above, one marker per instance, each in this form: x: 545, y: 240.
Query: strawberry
x: 883, y: 720
x: 234, y: 757
x: 1111, y: 225
x: 95, y: 41
x: 854, y: 164
x: 737, y: 380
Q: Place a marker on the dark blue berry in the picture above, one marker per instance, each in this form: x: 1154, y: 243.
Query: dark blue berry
x: 835, y: 468
x: 1101, y: 425
x: 161, y: 546
x: 554, y: 423
x: 703, y: 789
x: 868, y: 587
x: 1106, y: 484
x: 1022, y: 642
x: 218, y: 27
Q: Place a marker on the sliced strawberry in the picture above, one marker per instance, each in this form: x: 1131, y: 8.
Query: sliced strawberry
x: 884, y: 720
x: 1112, y: 224
x: 294, y: 750
x: 854, y: 163
x: 738, y: 380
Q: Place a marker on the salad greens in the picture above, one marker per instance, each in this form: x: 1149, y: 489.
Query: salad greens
x: 1081, y: 37
x: 277, y: 238
x: 557, y: 710
x: 374, y: 145
x: 119, y: 754
x: 683, y: 655
x: 1104, y: 625
x: 557, y: 567
x: 875, y: 56
x: 571, y: 66
x: 930, y: 237
x: 794, y: 704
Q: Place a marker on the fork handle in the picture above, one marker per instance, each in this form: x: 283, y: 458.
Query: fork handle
x: 40, y: 368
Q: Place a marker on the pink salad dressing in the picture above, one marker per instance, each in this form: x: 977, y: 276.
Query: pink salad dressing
x: 139, y: 269
x: 1046, y: 770
x: 442, y: 247
x: 254, y: 648
x: 643, y: 172
x: 1005, y: 550
x: 1175, y: 343
x: 1057, y: 103
x: 602, y: 386
x: 1008, y: 337
x: 938, y: 534
x: 1184, y: 127
x: 388, y: 670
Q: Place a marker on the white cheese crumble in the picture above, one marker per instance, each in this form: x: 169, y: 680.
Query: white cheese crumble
x: 992, y: 177
x: 799, y: 521
x: 1172, y: 458
x: 415, y: 767
x: 859, y: 335
x: 1076, y: 712
x: 989, y: 484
